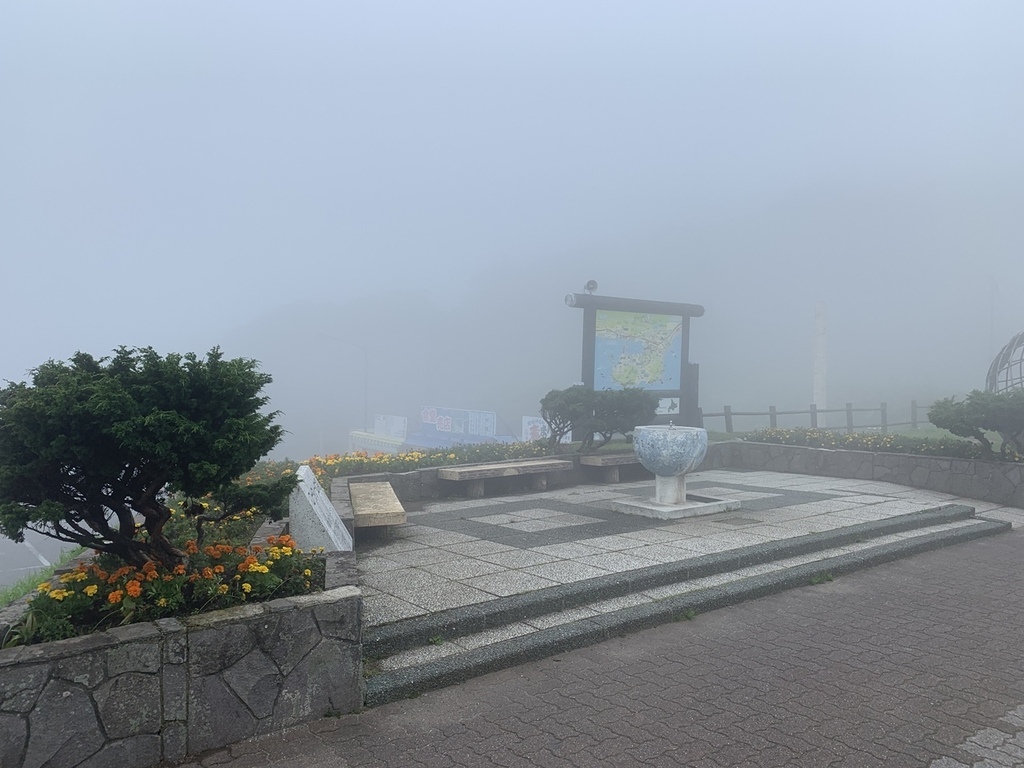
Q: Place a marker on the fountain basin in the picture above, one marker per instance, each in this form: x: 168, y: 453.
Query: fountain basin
x: 669, y: 451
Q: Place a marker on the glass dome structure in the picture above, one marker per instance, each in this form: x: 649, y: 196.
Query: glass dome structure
x: 1007, y: 369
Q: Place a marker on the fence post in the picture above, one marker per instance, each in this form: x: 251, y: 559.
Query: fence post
x: 728, y: 418
x: 913, y: 414
x: 885, y: 418
x: 700, y: 417
x: 814, y: 416
x: 849, y: 418
x: 773, y: 416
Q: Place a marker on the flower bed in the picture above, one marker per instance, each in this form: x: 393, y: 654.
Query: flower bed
x: 951, y: 447
x: 102, y: 593
x: 326, y: 468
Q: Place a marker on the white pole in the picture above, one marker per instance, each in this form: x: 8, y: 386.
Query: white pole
x: 820, y: 389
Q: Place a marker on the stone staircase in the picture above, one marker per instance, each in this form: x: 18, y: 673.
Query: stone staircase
x: 409, y: 657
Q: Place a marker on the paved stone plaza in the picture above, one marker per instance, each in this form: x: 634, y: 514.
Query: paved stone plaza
x: 458, y: 553
x: 918, y: 662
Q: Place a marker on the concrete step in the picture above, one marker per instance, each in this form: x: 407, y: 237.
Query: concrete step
x: 433, y: 651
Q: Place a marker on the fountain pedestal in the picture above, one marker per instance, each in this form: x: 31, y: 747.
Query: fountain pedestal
x: 670, y: 490
x: 671, y: 453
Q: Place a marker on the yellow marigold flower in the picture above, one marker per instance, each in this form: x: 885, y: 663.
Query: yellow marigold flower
x: 307, y: 572
x: 44, y: 587
x: 246, y: 587
x: 162, y: 602
x: 91, y: 590
x: 222, y: 589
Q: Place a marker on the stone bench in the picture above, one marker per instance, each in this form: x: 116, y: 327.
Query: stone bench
x: 609, y: 464
x: 475, y: 475
x: 375, y: 504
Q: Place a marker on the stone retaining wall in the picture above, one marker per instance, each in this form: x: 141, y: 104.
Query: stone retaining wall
x: 994, y: 481
x: 135, y: 695
x: 163, y: 690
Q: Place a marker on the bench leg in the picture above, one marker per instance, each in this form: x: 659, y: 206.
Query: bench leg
x: 610, y: 474
x: 475, y: 489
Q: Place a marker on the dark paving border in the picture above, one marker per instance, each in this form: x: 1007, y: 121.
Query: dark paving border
x: 610, y: 523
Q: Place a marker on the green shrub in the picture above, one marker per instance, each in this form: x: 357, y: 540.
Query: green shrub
x: 89, y: 449
x: 591, y: 414
x: 1001, y: 412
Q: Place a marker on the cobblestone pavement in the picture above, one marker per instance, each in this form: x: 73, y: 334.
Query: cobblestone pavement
x: 916, y: 663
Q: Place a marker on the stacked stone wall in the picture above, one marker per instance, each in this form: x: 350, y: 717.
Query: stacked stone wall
x: 994, y: 481
x: 136, y: 695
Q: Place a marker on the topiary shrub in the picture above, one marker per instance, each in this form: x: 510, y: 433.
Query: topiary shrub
x: 90, y: 450
x: 596, y: 415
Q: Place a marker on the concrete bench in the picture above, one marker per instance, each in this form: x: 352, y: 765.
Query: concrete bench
x: 375, y: 504
x: 475, y: 475
x: 609, y: 464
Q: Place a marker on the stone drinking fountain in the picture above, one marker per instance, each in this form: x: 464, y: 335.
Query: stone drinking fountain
x: 671, y: 452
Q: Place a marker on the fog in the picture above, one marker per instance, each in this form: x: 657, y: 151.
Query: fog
x: 385, y: 203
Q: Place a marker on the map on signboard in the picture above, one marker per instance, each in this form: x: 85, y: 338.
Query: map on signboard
x: 634, y: 349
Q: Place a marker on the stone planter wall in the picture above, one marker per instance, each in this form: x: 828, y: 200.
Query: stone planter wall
x: 135, y: 695
x: 163, y: 690
x: 998, y: 482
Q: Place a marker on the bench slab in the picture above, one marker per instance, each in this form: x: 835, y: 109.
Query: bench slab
x: 609, y: 464
x: 375, y: 504
x: 475, y: 475
x: 610, y: 460
x: 483, y: 471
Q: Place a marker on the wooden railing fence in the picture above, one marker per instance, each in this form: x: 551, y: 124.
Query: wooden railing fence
x: 918, y: 416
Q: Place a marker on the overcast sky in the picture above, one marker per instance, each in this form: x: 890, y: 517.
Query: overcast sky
x: 397, y: 196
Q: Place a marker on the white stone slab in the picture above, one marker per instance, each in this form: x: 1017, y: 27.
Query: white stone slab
x: 695, y: 505
x: 312, y: 519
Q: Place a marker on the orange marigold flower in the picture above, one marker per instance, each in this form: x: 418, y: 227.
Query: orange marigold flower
x: 207, y: 573
x: 179, y: 570
x: 134, y: 588
x: 191, y: 548
x: 168, y: 577
x: 218, y: 569
x: 115, y: 596
x: 149, y: 567
x: 241, y: 551
x: 212, y: 552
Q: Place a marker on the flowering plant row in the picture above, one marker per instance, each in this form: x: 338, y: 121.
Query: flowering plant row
x: 103, y: 592
x: 334, y: 465
x: 876, y: 442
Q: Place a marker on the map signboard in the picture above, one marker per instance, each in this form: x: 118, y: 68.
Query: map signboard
x: 638, y: 349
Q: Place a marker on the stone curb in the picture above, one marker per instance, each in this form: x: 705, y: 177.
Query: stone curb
x: 387, y: 640
x: 404, y: 683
